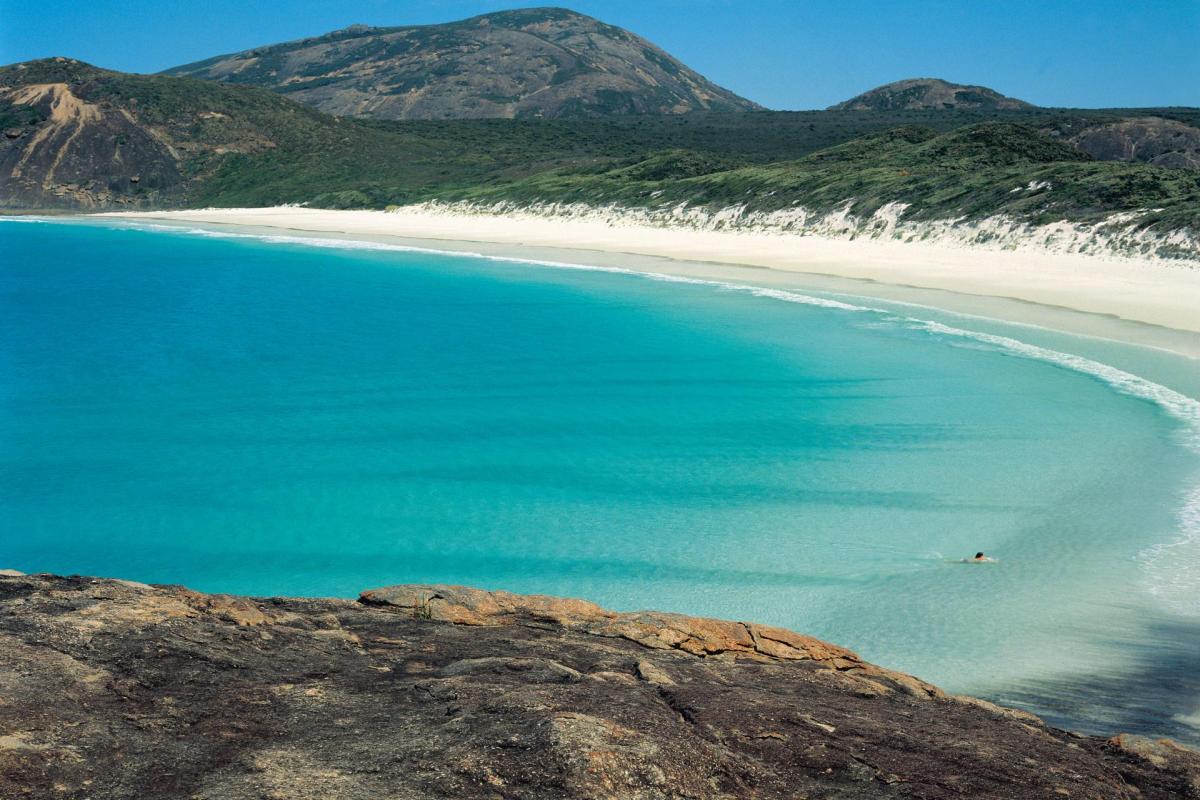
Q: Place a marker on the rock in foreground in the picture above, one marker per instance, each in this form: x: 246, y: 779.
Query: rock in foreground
x: 110, y: 689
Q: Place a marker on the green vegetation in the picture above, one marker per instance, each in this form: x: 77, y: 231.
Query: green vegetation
x: 12, y: 117
x: 245, y: 146
x: 974, y: 172
x: 956, y: 166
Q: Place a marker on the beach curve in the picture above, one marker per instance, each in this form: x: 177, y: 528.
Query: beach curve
x: 1155, y: 292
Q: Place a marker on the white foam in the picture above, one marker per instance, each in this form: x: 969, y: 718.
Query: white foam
x: 1175, y: 566
x: 1191, y: 720
x: 356, y: 244
x: 1178, y: 405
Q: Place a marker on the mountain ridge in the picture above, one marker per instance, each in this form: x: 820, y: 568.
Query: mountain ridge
x: 549, y: 61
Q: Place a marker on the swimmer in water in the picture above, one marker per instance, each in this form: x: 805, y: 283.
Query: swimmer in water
x: 979, y: 558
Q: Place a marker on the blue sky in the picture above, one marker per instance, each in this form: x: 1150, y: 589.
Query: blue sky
x: 787, y: 54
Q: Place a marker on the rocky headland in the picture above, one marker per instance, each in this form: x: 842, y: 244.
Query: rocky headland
x: 113, y: 689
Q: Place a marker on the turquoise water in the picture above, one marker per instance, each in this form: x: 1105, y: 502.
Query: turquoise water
x: 269, y: 417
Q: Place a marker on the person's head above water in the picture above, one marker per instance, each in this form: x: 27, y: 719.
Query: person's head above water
x: 979, y: 554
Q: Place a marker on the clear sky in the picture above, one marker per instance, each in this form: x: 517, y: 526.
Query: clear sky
x: 786, y: 54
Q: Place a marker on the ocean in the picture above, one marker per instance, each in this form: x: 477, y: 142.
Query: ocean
x: 273, y: 415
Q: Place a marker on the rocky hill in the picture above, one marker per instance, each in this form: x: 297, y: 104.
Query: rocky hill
x: 60, y: 149
x: 76, y: 136
x: 545, y: 62
x: 931, y: 93
x: 114, y: 689
x: 1152, y: 140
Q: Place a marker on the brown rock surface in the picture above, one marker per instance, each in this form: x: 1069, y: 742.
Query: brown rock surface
x: 113, y: 689
x: 711, y: 638
x: 1152, y: 140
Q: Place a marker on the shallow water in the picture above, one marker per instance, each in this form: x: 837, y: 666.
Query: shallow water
x: 270, y: 417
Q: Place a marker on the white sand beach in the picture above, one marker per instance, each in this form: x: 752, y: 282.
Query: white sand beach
x: 1154, y: 292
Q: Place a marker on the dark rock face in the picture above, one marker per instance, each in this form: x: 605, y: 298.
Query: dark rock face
x: 1151, y: 140
x: 930, y: 93
x: 79, y: 137
x: 533, y: 62
x: 77, y: 154
x: 111, y: 689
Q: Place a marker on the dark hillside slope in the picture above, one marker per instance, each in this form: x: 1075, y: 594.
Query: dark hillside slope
x: 78, y: 136
x: 537, y: 62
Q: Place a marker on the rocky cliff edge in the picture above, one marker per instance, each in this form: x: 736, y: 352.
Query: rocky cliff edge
x: 113, y: 689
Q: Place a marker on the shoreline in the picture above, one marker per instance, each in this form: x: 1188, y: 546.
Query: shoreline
x: 753, y: 275
x: 1146, y: 302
